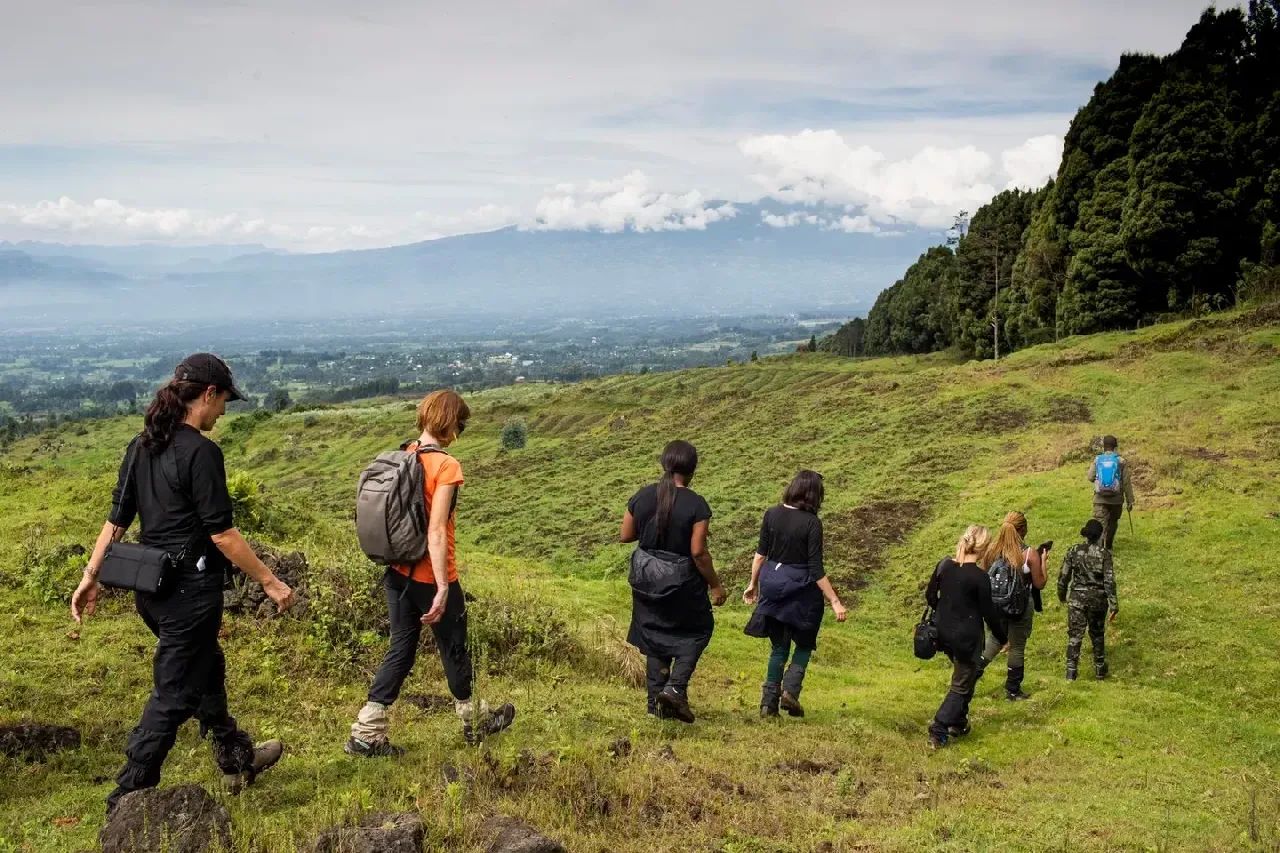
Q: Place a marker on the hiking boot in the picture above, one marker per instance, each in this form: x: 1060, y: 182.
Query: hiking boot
x: 1101, y: 670
x: 1072, y: 671
x: 960, y: 730
x: 1016, y: 696
x: 769, y: 700
x: 676, y: 704
x: 489, y: 723
x: 372, y: 749
x: 937, y: 741
x: 265, y: 756
x: 791, y: 705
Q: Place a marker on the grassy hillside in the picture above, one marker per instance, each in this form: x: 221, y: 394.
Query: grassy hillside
x: 1177, y: 751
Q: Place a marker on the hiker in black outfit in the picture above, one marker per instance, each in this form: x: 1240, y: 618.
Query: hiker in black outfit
x: 173, y: 480
x: 673, y: 582
x: 960, y: 593
x: 789, y: 582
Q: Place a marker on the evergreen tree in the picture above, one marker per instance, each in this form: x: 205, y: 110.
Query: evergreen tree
x: 1101, y: 290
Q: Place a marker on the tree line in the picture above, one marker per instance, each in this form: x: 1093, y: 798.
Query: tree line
x: 1166, y: 203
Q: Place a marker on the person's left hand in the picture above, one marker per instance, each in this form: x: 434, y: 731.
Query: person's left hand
x: 85, y: 599
x: 750, y: 595
x: 838, y: 609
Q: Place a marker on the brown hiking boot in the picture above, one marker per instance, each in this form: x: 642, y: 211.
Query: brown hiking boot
x: 791, y: 705
x: 265, y: 756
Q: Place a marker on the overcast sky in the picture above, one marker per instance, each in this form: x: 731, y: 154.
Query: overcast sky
x: 316, y: 124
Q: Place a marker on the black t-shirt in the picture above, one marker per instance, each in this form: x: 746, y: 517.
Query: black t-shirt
x: 179, y: 495
x: 688, y: 510
x: 792, y: 537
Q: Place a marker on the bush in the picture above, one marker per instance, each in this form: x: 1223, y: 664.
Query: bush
x: 310, y: 420
x: 515, y: 434
x: 250, y: 508
x: 50, y: 572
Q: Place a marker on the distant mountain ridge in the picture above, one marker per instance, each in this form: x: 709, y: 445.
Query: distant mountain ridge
x: 739, y: 265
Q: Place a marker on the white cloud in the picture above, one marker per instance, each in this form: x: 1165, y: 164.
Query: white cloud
x: 110, y: 221
x: 629, y: 202
x: 790, y: 220
x: 1033, y: 163
x: 925, y: 189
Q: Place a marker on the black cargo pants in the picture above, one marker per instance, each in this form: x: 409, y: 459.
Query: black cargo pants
x: 189, y: 674
x: 408, y: 601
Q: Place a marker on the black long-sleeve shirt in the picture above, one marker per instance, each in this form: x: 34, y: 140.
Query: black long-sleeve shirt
x: 961, y: 595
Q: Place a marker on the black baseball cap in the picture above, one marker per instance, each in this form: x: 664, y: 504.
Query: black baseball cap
x: 207, y: 369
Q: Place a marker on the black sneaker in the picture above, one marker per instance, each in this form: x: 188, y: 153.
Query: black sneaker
x: 959, y: 731
x: 377, y: 749
x: 265, y: 756
x: 791, y: 705
x: 1016, y: 695
x: 491, y: 723
x: 676, y: 704
x: 1101, y: 672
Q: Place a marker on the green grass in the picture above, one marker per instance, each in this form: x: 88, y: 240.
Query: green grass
x: 1178, y: 751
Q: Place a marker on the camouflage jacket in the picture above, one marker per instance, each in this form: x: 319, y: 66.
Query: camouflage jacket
x: 1087, y: 576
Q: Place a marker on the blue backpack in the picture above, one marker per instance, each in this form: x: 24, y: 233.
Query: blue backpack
x: 1107, y: 469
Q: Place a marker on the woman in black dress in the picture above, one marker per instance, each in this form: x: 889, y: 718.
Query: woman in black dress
x: 789, y: 582
x: 960, y: 593
x: 673, y: 582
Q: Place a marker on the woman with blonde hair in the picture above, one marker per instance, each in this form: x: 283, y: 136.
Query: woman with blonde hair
x: 428, y: 593
x: 960, y: 594
x: 1009, y: 556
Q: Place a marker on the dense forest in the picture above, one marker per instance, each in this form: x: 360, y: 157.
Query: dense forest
x: 1166, y: 202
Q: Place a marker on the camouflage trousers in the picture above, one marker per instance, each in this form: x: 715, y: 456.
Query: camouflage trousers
x: 1093, y: 617
x: 1109, y: 515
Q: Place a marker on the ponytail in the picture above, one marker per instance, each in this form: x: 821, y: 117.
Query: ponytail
x: 1009, y: 541
x: 167, y: 411
x: 678, y: 457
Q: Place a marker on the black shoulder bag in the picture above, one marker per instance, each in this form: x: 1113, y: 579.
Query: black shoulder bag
x: 127, y: 565
x: 925, y: 639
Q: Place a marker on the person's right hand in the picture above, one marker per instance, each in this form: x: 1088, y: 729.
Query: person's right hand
x: 750, y: 595
x: 85, y: 599
x: 718, y: 595
x: 838, y: 609
x: 279, y: 592
x: 436, y: 613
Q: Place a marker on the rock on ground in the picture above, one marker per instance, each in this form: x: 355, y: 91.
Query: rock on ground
x: 34, y: 742
x: 510, y: 835
x: 246, y: 596
x: 182, y: 819
x: 377, y: 833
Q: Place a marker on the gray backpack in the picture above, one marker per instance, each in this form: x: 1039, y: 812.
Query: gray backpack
x: 391, y: 512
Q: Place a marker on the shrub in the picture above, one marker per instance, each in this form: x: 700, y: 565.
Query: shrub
x: 50, y: 572
x: 249, y: 506
x: 515, y: 434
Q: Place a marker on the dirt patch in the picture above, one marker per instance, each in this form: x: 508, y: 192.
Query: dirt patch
x: 804, y: 765
x: 858, y: 539
x: 1205, y: 454
x: 34, y: 743
x: 620, y: 748
x: 246, y: 596
x: 1067, y: 410
x: 1001, y: 418
x: 1070, y: 359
